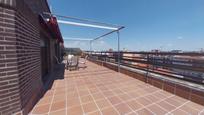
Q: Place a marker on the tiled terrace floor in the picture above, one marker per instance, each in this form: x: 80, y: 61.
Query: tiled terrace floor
x: 97, y: 90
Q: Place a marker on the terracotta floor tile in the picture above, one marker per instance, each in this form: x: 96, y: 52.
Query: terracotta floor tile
x: 159, y: 95
x: 134, y: 105
x: 59, y: 112
x: 143, y: 101
x: 109, y: 111
x: 58, y: 105
x: 70, y: 98
x: 157, y: 110
x: 72, y: 95
x: 76, y: 110
x: 167, y: 94
x: 189, y: 110
x: 144, y: 112
x: 179, y: 112
x: 174, y: 102
x: 60, y: 92
x: 132, y: 113
x: 151, y: 89
x: 201, y: 113
x: 103, y: 103
x: 90, y: 107
x: 94, y: 90
x: 98, y: 96
x: 166, y: 106
x: 125, y: 97
x: 108, y: 93
x: 152, y: 98
x: 114, y: 100
x: 95, y: 113
x: 96, y: 83
x: 195, y: 105
x: 41, y: 109
x: 179, y: 99
x: 59, y: 98
x: 118, y: 91
x: 73, y: 102
x: 142, y: 92
x: 123, y: 108
x: 44, y: 101
x: 86, y: 99
x: 83, y: 93
x: 134, y: 94
x: 49, y: 93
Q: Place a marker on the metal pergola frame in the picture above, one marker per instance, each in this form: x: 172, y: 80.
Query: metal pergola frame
x: 92, y: 24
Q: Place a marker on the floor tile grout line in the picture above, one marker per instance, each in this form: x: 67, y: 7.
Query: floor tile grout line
x: 52, y: 99
x: 95, y: 101
x: 161, y: 101
x: 79, y: 98
x: 174, y: 100
x: 179, y: 107
x: 162, y: 107
x: 108, y: 101
x: 131, y: 113
x: 124, y: 102
x: 139, y: 96
x: 116, y: 93
x: 66, y: 96
x: 54, y: 111
x: 201, y: 112
x: 194, y: 107
x: 171, y: 104
x: 92, y: 112
x: 156, y: 102
x: 145, y: 107
x: 182, y: 104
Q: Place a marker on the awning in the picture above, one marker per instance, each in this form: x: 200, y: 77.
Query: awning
x: 51, y: 27
x: 55, y: 28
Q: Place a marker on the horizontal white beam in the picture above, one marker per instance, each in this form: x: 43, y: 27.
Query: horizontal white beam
x: 86, y: 25
x: 76, y: 39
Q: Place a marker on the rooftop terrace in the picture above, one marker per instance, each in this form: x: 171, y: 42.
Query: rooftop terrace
x: 97, y: 90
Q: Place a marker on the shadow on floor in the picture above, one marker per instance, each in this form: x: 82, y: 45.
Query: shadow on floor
x: 57, y: 74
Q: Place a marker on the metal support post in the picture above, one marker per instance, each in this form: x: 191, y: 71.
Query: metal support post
x: 118, y: 35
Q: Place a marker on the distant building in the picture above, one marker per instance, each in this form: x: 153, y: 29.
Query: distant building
x: 30, y: 44
x: 73, y: 51
x: 176, y: 51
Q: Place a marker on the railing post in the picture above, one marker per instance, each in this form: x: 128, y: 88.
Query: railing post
x: 101, y: 58
x: 118, y: 33
x: 148, y: 61
x: 90, y: 45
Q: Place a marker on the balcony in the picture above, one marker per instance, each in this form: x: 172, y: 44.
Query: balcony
x: 97, y: 90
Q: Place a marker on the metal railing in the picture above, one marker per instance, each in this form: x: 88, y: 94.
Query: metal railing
x: 186, y: 66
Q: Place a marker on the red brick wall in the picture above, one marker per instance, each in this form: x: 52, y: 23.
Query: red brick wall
x: 20, y: 63
x: 20, y: 58
x: 28, y: 59
x: 9, y: 81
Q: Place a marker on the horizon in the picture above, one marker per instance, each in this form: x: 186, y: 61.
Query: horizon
x: 164, y: 25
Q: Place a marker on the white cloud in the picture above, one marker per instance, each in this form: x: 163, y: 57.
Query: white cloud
x: 180, y: 37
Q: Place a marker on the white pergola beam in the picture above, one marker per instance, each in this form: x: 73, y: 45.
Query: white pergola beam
x: 86, y: 25
x: 76, y: 39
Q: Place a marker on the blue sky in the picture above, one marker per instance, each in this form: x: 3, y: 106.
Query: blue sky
x: 150, y: 24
